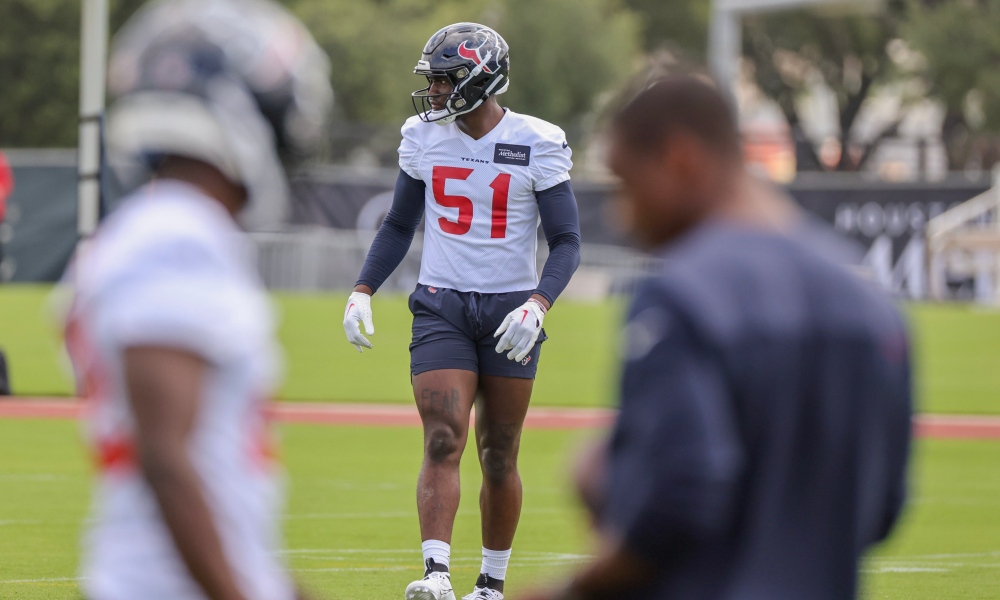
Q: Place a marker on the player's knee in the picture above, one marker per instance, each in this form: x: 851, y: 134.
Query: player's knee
x: 498, y: 462
x: 441, y: 444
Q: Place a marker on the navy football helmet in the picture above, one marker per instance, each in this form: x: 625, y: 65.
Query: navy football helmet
x: 238, y: 84
x: 474, y: 59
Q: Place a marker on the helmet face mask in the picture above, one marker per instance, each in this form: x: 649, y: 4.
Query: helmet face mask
x: 452, y: 101
x: 473, y: 58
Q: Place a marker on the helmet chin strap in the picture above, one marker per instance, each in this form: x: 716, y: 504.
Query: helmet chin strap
x: 448, y: 120
x: 503, y: 88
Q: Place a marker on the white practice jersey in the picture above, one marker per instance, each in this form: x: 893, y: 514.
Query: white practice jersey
x: 170, y: 268
x: 481, y: 217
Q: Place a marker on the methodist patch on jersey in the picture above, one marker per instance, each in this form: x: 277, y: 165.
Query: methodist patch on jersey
x: 510, y: 154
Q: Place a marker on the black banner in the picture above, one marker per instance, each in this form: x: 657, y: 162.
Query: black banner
x: 338, y: 197
x: 41, y: 219
x: 865, y: 210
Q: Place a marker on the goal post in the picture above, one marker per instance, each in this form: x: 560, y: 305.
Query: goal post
x: 93, y: 59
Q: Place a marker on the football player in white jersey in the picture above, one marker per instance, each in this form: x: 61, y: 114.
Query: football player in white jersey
x: 170, y: 330
x: 485, y: 177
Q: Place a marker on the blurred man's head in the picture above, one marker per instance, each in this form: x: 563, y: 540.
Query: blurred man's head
x: 237, y: 87
x: 676, y: 148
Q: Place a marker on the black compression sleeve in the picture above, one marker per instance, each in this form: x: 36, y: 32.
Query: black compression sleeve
x: 561, y: 225
x: 396, y: 233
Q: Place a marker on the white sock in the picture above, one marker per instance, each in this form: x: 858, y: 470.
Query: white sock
x: 495, y: 563
x: 437, y: 550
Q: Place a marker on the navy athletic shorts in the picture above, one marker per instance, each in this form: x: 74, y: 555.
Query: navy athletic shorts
x: 454, y: 330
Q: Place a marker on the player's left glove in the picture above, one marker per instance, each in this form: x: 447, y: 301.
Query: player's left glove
x: 520, y: 330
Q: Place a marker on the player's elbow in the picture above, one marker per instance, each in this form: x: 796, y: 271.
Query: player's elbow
x: 567, y: 243
x: 161, y: 462
x: 572, y: 245
x: 400, y: 225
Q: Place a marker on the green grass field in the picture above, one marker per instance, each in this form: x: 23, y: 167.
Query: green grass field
x: 351, y: 524
x: 957, y: 352
x: 352, y: 530
x: 321, y: 365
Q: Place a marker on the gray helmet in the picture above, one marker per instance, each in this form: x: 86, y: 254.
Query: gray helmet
x: 238, y: 84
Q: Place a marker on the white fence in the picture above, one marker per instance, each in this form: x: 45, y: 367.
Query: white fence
x: 330, y: 259
x: 957, y: 259
x: 963, y: 251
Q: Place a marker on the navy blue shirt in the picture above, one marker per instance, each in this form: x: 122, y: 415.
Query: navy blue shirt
x: 765, y: 421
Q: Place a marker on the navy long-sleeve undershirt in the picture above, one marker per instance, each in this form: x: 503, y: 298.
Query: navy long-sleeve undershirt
x: 556, y: 208
x: 396, y: 233
x: 561, y: 226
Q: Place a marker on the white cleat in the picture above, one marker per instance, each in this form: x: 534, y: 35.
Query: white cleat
x: 436, y: 585
x: 484, y: 593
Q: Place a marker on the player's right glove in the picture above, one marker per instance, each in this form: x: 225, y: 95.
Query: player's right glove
x: 359, y: 310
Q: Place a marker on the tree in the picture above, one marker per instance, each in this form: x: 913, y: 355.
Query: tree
x: 564, y: 54
x: 38, y: 73
x: 847, y: 53
x: 958, y: 44
x: 788, y: 53
x: 40, y: 69
x: 373, y: 47
x: 677, y: 25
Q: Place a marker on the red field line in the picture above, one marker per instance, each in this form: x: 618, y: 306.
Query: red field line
x: 39, y: 408
x: 958, y: 427
x: 406, y: 415
x: 402, y: 415
x: 381, y: 415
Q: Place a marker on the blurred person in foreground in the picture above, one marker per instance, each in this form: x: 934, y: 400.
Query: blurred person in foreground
x: 170, y: 330
x: 764, y: 429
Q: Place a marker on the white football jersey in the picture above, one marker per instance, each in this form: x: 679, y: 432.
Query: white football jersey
x: 171, y: 268
x: 481, y: 217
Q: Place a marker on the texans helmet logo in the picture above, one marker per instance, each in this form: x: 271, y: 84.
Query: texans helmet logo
x: 473, y: 54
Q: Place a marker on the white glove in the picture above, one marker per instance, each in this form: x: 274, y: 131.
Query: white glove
x: 359, y: 310
x: 520, y: 330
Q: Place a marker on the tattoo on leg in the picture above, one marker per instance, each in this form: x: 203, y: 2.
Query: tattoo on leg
x: 505, y: 433
x: 443, y: 402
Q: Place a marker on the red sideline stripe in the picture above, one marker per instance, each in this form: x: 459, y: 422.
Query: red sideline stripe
x: 345, y: 414
x: 380, y: 415
x: 406, y: 415
x: 958, y: 427
x: 930, y: 426
x: 41, y: 408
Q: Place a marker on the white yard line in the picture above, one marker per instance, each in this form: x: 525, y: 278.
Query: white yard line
x: 905, y: 570
x: 34, y: 477
x: 936, y: 557
x: 43, y: 580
